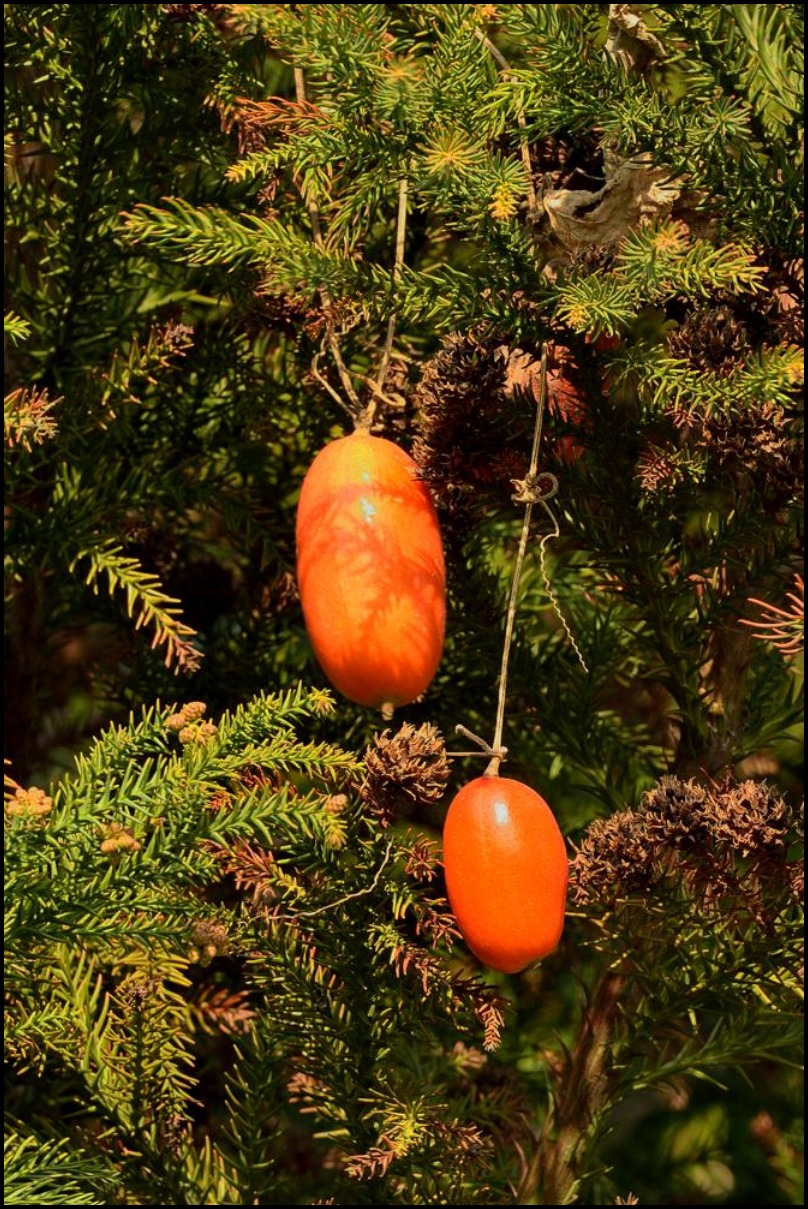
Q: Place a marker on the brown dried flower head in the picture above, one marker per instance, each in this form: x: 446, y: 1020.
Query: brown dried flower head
x: 713, y: 843
x: 712, y: 340
x: 209, y: 939
x: 409, y: 766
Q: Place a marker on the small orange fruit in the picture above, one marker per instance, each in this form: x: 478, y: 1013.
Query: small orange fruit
x: 506, y: 872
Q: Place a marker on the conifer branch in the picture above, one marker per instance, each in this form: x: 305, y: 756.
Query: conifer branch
x: 524, y: 142
x: 47, y: 1171
x: 146, y: 603
x: 15, y: 328
x: 240, y: 878
x: 27, y: 418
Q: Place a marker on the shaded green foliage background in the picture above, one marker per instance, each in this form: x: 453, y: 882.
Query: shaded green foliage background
x: 179, y: 336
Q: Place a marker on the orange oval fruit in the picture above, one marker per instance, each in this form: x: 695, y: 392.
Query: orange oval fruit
x: 370, y: 570
x: 506, y: 872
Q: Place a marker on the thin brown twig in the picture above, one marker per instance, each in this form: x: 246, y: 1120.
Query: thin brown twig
x: 355, y: 410
x: 524, y: 147
x: 374, y: 388
x: 347, y: 898
x: 326, y: 385
x: 484, y: 747
x: 493, y: 768
x: 398, y: 262
x: 548, y: 586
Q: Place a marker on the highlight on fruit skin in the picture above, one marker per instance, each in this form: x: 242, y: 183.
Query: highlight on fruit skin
x: 371, y: 571
x: 506, y: 872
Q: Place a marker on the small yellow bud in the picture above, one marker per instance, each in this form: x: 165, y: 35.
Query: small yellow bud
x: 197, y: 732
x: 29, y: 804
x: 117, y: 839
x: 503, y: 204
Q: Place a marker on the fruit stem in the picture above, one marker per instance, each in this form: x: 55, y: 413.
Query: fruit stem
x: 485, y: 749
x: 354, y: 408
x: 533, y: 489
x: 369, y: 413
x: 528, y: 490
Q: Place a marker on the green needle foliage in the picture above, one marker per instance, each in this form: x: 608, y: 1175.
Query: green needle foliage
x: 193, y: 885
x: 233, y: 232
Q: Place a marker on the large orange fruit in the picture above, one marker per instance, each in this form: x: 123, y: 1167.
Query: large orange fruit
x: 370, y: 571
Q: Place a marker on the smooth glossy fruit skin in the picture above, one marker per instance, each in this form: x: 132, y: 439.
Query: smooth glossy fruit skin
x: 506, y: 872
x: 370, y: 571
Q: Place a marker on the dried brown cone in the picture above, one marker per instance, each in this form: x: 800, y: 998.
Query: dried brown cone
x: 762, y: 443
x: 711, y: 842
x: 461, y: 399
x: 712, y: 340
x: 476, y: 402
x: 676, y: 814
x: 758, y: 444
x: 752, y: 820
x: 403, y: 768
x: 778, y: 309
x: 615, y: 859
x: 564, y: 162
